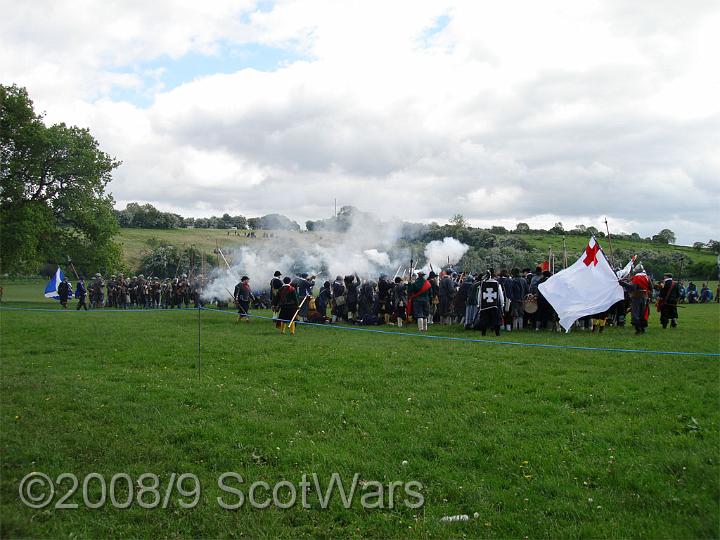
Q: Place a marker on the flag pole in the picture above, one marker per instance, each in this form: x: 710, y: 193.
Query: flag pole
x: 564, y: 253
x: 612, y: 256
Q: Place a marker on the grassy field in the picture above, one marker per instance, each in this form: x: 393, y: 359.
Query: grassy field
x: 136, y: 242
x: 576, y: 244
x: 538, y: 442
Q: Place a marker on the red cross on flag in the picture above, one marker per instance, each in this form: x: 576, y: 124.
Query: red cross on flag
x: 587, y: 287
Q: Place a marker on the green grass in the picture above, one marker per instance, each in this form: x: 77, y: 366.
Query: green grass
x: 541, y: 443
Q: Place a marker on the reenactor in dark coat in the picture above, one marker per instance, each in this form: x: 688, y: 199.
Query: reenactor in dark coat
x: 419, y: 300
x: 287, y: 303
x: 243, y: 295
x: 64, y: 291
x: 351, y: 295
x: 667, y: 301
x: 490, y: 304
x: 324, y: 299
x: 96, y: 292
x: 366, y: 299
x: 446, y: 296
x: 399, y: 300
x: 339, y: 305
x: 81, y: 294
x: 384, y: 297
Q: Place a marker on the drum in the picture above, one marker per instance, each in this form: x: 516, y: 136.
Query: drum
x: 530, y: 304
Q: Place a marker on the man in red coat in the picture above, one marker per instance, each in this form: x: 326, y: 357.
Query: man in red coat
x: 639, y: 287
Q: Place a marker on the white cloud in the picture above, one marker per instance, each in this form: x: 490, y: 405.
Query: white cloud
x: 522, y: 111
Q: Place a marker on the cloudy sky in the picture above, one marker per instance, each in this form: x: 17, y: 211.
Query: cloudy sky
x: 502, y: 111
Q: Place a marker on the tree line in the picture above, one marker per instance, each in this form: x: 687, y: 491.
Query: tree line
x: 146, y: 216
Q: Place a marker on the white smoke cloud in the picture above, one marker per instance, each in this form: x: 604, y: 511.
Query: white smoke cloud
x: 368, y: 249
x: 377, y: 257
x: 328, y: 255
x: 449, y: 250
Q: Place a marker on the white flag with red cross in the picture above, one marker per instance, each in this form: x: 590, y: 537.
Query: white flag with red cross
x: 587, y: 287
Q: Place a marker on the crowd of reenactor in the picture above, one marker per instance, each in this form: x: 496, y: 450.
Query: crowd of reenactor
x: 140, y: 292
x: 505, y: 300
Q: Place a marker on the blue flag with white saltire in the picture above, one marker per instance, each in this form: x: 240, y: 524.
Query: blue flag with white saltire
x: 51, y: 289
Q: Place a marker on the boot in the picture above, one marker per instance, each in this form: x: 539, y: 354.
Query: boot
x: 386, y: 317
x: 673, y: 323
x: 497, y: 331
x: 399, y: 322
x: 425, y: 323
x: 420, y: 325
x: 601, y: 329
x: 283, y: 326
x: 292, y: 328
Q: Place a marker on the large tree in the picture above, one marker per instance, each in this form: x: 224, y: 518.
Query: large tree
x: 666, y: 236
x: 53, y: 203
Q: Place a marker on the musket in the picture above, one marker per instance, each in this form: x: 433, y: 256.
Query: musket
x: 231, y: 294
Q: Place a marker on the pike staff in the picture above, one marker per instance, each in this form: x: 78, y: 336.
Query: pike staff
x: 73, y: 268
x: 291, y: 324
x: 682, y: 260
x: 227, y: 263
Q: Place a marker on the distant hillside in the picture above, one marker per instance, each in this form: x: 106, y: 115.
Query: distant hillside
x: 138, y: 242
x: 486, y: 249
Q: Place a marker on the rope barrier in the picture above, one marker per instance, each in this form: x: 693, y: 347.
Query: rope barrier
x: 387, y: 332
x: 101, y: 310
x: 488, y: 341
